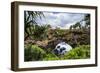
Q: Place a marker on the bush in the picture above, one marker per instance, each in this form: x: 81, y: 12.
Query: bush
x: 34, y: 53
x: 81, y: 52
x: 50, y: 56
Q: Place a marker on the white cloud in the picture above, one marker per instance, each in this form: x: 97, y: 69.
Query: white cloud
x: 67, y: 26
x: 62, y: 20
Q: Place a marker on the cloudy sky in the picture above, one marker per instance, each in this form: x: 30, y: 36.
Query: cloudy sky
x: 60, y: 19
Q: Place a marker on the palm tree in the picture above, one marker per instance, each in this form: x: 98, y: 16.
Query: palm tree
x: 30, y: 21
x: 87, y: 20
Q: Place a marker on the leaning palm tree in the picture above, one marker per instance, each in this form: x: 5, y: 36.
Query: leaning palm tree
x: 30, y: 21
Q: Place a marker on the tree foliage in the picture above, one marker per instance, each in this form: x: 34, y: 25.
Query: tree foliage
x: 30, y: 21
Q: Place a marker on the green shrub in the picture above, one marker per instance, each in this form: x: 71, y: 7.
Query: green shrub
x: 50, y: 56
x: 81, y: 52
x: 34, y: 53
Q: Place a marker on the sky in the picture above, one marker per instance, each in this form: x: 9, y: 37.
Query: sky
x: 62, y: 20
